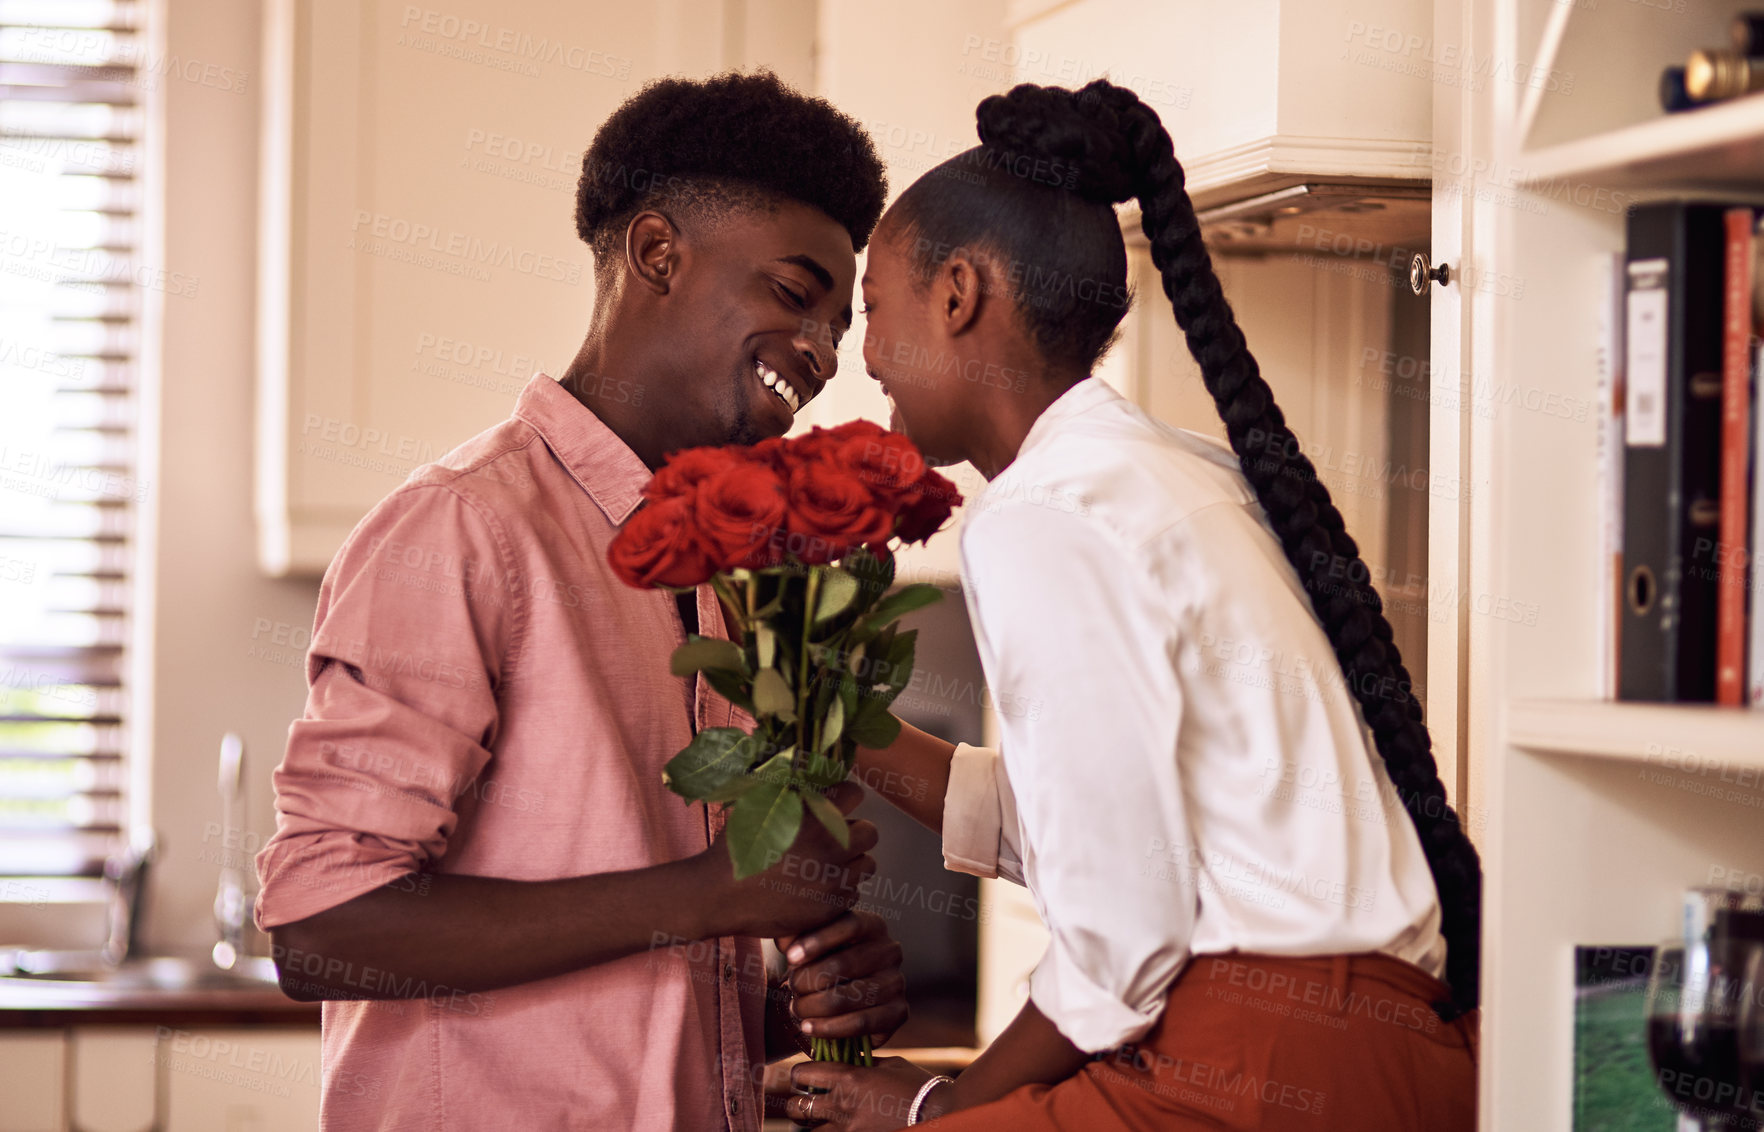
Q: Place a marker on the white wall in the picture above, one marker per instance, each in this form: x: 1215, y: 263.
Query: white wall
x: 216, y: 664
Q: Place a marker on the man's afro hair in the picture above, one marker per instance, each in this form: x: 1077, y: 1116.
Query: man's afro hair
x: 746, y: 134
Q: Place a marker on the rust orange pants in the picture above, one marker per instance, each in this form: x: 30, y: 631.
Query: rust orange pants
x: 1346, y: 1042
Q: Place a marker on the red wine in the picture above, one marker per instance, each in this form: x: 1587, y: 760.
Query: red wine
x: 1702, y: 1076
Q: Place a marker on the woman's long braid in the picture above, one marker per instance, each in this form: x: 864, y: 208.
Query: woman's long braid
x: 1309, y: 526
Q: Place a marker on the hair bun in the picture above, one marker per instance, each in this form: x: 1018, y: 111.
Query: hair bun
x: 1084, y: 129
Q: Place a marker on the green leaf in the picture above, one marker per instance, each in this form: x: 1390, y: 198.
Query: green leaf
x: 848, y: 694
x: 706, y: 768
x: 874, y: 728
x: 700, y: 653
x: 772, y: 695
x: 829, y: 814
x: 902, y: 602
x: 824, y: 692
x: 824, y: 770
x: 877, y: 651
x: 762, y: 824
x: 729, y: 685
x: 832, y: 724
x: 765, y: 643
x: 874, y: 574
x: 837, y: 590
x: 901, y: 654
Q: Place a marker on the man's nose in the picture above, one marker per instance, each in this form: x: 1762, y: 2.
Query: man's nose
x: 815, y: 343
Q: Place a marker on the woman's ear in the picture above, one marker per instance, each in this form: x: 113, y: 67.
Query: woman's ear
x: 957, y: 293
x: 652, y: 251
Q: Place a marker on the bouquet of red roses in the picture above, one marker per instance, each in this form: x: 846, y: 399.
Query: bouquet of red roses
x: 795, y: 537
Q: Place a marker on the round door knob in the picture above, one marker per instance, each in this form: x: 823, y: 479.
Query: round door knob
x: 1420, y: 272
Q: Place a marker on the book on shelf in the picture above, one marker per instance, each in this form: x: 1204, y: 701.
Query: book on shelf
x: 1675, y: 281
x: 1609, y: 405
x: 1755, y: 477
x: 1729, y: 552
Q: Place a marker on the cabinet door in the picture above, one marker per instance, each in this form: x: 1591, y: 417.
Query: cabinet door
x: 418, y: 255
x: 1012, y: 941
x: 32, y: 1081
x: 1467, y: 401
x: 240, y: 1080
x: 113, y: 1069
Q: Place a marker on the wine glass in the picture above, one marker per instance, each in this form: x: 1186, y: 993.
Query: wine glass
x: 1750, y: 1030
x: 1692, y: 1039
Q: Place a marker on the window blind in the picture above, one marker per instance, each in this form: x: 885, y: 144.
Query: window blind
x: 72, y: 73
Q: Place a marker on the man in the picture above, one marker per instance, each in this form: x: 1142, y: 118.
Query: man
x: 476, y: 864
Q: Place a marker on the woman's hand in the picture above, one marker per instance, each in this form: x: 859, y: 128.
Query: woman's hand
x: 845, y: 979
x: 858, y: 1099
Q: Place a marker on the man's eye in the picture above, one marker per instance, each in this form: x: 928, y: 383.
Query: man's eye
x: 795, y: 300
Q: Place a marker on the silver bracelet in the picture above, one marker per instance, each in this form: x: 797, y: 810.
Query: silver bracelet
x: 925, y: 1091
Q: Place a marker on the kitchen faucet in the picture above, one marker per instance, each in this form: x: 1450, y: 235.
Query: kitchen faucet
x: 229, y: 902
x: 127, y: 873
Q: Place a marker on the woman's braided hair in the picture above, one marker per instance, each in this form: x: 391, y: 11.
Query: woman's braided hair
x: 1040, y: 148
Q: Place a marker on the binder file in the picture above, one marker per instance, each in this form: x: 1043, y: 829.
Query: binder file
x: 1672, y: 451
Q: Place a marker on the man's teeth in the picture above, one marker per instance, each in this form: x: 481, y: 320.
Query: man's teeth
x: 779, y: 386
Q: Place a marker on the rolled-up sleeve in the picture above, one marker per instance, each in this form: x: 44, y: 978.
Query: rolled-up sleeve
x: 980, y: 816
x: 1076, y: 639
x: 414, y: 629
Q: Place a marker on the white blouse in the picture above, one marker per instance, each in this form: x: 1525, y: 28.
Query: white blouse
x: 1183, y: 769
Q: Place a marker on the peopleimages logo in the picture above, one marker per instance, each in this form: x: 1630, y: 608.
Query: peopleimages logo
x: 528, y: 50
x: 461, y: 246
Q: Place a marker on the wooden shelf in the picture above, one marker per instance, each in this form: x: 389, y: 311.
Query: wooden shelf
x: 1716, y: 147
x: 1697, y: 737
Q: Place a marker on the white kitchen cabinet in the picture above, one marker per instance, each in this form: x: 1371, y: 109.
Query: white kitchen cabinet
x: 1012, y: 941
x: 140, y: 1078
x: 114, y: 1072
x: 1259, y: 94
x: 240, y: 1079
x: 33, y: 1081
x: 418, y: 258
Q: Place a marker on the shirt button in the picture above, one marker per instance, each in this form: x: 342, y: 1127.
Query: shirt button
x: 729, y: 972
x: 734, y: 1105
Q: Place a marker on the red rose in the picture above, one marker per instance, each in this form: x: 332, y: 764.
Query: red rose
x: 773, y: 450
x: 659, y: 546
x: 686, y: 469
x: 818, y: 442
x: 739, y: 511
x: 888, y: 464
x: 831, y: 511
x: 933, y: 498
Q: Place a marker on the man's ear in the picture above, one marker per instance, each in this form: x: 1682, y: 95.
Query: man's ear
x: 652, y: 251
x: 956, y: 293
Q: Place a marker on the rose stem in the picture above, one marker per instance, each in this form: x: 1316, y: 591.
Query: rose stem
x: 808, y: 621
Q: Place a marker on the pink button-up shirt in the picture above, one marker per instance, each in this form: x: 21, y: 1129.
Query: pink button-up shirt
x: 488, y: 699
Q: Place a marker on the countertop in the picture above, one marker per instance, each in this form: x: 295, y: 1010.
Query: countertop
x: 138, y: 995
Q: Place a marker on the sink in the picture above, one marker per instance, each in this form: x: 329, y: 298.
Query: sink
x: 150, y: 972
x: 148, y: 985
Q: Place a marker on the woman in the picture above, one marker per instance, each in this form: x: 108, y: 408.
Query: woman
x: 1255, y: 922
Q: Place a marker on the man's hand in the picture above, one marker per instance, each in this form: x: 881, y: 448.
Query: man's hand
x: 815, y: 881
x: 845, y: 979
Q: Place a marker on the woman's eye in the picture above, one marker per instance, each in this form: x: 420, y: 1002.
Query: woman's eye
x: 865, y: 309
